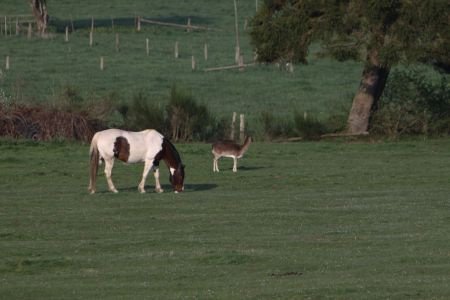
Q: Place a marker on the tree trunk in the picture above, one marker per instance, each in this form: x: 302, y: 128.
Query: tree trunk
x: 39, y: 8
x: 366, y: 99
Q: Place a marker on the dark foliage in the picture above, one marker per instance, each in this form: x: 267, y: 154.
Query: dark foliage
x: 414, y: 104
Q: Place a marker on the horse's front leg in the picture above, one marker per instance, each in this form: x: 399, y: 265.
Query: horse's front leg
x: 158, y: 188
x: 109, y: 163
x: 148, y: 165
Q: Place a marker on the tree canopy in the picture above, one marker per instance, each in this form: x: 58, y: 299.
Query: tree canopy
x: 385, y: 31
x: 381, y: 33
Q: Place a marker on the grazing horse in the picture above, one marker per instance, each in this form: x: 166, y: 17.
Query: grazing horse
x: 148, y: 146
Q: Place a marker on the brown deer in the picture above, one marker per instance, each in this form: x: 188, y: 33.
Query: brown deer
x: 229, y: 149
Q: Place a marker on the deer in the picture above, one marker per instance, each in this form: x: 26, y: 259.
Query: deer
x: 229, y: 149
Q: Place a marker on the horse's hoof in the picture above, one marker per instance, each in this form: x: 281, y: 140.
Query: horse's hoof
x: 92, y: 192
x: 115, y: 191
x: 159, y: 191
x: 142, y: 191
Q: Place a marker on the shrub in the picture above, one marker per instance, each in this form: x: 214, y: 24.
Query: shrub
x: 46, y: 123
x: 413, y: 104
x: 308, y: 127
x: 276, y: 128
x: 143, y: 114
x: 188, y: 120
x: 302, y: 125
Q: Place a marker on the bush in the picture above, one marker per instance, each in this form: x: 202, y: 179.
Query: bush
x: 182, y: 119
x: 143, y: 114
x: 275, y: 128
x: 308, y: 127
x: 305, y: 126
x: 188, y: 120
x: 413, y: 104
x: 46, y: 123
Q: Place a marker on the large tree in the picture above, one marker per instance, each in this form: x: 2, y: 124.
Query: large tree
x: 39, y: 8
x: 381, y: 33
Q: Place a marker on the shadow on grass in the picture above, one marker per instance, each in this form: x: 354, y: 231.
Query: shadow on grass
x: 241, y: 169
x: 166, y: 187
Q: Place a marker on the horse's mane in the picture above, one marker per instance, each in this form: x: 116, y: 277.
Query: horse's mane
x: 169, y: 144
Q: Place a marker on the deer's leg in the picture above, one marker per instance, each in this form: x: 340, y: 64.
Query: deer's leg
x: 234, y: 164
x: 109, y: 163
x: 158, y: 188
x: 216, y: 164
x: 147, y: 167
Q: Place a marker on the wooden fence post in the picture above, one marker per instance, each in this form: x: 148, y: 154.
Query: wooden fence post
x: 176, y: 49
x: 147, y: 46
x: 139, y: 23
x: 238, y: 48
x: 233, y: 122
x: 101, y: 63
x: 205, y: 51
x: 193, y: 63
x: 241, y: 63
x: 67, y: 34
x: 17, y: 26
x: 242, y: 128
x: 91, y: 38
x: 71, y: 23
x: 29, y: 31
x: 7, y: 63
x: 189, y: 28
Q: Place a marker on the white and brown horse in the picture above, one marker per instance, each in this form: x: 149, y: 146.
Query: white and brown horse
x: 148, y: 146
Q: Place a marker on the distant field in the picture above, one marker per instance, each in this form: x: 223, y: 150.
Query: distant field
x: 328, y: 220
x: 40, y: 69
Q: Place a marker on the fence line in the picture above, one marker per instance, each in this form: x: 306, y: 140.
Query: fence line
x: 188, y: 27
x: 239, y: 62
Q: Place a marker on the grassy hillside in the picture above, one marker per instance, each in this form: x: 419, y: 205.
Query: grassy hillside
x: 42, y: 68
x: 299, y: 220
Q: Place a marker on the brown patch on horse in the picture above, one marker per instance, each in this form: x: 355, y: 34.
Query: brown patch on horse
x: 121, y: 149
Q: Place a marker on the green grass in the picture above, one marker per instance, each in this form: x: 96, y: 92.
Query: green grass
x: 302, y: 220
x: 42, y: 68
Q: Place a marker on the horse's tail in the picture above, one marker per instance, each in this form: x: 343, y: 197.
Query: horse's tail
x: 94, y: 159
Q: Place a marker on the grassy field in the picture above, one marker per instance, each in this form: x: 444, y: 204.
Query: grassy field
x: 328, y: 220
x: 41, y: 69
x: 310, y: 220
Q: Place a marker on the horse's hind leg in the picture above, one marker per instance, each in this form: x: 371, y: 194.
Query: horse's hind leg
x: 109, y: 163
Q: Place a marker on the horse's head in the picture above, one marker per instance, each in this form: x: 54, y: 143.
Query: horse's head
x: 177, y: 179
